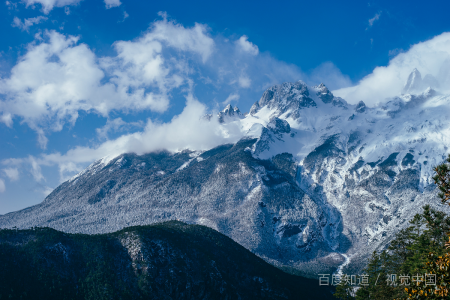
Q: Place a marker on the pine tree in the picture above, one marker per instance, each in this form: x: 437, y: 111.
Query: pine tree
x: 437, y: 263
x: 344, y: 290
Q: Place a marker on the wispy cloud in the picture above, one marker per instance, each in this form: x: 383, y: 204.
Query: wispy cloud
x: 117, y: 125
x: 330, y: 75
x: 11, y: 5
x: 27, y: 23
x: 429, y: 57
x: 187, y: 130
x: 125, y: 16
x: 35, y: 169
x: 48, y: 5
x: 375, y: 18
x: 46, y: 190
x: 247, y: 46
x: 112, y: 3
x: 230, y: 98
x: 395, y: 52
x: 59, y: 77
x: 12, y: 173
x: 6, y: 118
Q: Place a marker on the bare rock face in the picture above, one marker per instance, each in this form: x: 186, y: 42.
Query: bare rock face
x: 360, y: 107
x: 323, y: 182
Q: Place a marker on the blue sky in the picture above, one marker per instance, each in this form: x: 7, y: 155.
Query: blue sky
x: 80, y: 80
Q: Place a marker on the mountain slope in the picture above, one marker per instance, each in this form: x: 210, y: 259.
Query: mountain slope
x: 255, y: 202
x: 313, y: 181
x: 170, y: 260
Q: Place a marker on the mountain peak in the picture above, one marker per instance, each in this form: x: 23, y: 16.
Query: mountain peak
x: 278, y: 125
x: 288, y: 97
x: 227, y: 108
x: 300, y: 184
x: 360, y: 107
x: 228, y: 112
x: 429, y: 92
x: 414, y: 82
x: 324, y: 93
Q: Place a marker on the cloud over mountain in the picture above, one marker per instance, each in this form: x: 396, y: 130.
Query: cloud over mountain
x: 429, y: 57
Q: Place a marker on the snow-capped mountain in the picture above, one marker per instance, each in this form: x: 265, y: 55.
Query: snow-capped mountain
x: 229, y: 113
x: 226, y: 115
x: 415, y: 83
x: 314, y: 183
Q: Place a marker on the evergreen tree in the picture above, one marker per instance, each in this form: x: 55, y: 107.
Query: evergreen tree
x: 344, y: 290
x: 437, y: 263
x: 418, y: 255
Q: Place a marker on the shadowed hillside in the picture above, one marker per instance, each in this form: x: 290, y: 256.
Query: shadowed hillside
x: 170, y: 260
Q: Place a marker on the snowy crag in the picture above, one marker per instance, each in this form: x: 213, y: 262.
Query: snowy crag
x: 314, y: 183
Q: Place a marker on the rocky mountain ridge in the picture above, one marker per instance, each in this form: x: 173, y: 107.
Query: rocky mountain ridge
x: 314, y: 179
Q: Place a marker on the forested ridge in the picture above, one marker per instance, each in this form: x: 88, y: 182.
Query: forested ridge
x: 170, y: 260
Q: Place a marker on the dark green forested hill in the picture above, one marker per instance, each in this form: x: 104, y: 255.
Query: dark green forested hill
x: 170, y: 260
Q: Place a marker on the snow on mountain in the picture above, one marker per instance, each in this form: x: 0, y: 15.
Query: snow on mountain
x: 415, y: 83
x: 374, y: 165
x: 229, y: 113
x: 314, y: 183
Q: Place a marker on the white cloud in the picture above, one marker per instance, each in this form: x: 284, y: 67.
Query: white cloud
x: 27, y: 23
x: 58, y: 77
x: 244, y: 81
x: 125, y: 15
x: 330, y: 75
x: 12, y: 173
x: 429, y: 57
x: 375, y: 18
x: 2, y: 186
x: 11, y: 5
x: 188, y: 130
x: 230, y: 66
x: 35, y: 169
x: 7, y: 119
x: 230, y: 98
x: 112, y: 3
x: 42, y: 139
x: 116, y: 125
x: 194, y: 39
x: 32, y: 165
x: 244, y: 45
x: 48, y: 5
x: 46, y: 191
x: 395, y: 52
